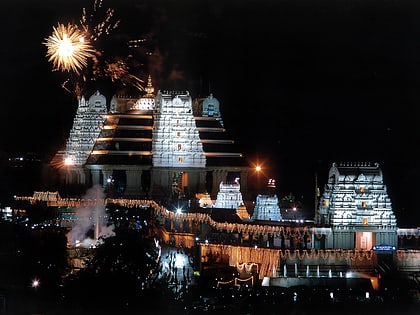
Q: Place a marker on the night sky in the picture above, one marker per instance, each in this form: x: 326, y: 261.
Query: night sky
x: 302, y: 84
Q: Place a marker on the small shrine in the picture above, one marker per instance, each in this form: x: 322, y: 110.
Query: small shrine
x: 229, y: 196
x: 267, y: 208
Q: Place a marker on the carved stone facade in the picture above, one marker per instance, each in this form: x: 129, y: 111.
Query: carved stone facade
x: 86, y: 128
x: 165, y: 146
x: 267, y: 208
x: 176, y: 142
x: 229, y: 196
x: 356, y: 206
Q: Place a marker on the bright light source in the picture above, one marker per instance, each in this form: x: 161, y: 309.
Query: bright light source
x: 35, y: 283
x: 179, y: 261
x: 68, y: 161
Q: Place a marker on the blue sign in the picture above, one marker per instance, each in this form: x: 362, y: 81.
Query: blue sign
x: 383, y: 248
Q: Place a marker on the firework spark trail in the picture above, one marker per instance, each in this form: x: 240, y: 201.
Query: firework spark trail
x: 75, y: 49
x: 104, y: 26
x: 120, y: 71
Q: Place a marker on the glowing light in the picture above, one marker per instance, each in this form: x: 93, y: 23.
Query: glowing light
x: 68, y: 161
x: 180, y: 261
x: 35, y: 283
x: 74, y: 48
x: 68, y: 49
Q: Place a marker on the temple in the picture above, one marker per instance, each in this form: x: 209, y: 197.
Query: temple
x: 170, y: 148
x: 229, y: 196
x: 166, y: 148
x: 356, y: 208
x: 163, y: 145
x: 267, y: 208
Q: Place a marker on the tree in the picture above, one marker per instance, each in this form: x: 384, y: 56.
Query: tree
x: 121, y: 272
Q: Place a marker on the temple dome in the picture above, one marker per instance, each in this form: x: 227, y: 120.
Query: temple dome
x: 211, y: 107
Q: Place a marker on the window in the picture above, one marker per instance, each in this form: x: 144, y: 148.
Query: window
x: 362, y: 189
x: 210, y: 109
x: 180, y: 159
x: 365, y: 221
x: 364, y: 204
x: 179, y: 146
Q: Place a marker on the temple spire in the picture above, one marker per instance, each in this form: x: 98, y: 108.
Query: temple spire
x: 149, y: 88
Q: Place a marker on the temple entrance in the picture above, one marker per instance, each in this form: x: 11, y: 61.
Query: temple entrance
x: 364, y: 240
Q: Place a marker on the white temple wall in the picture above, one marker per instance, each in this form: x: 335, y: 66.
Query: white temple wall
x: 329, y: 242
x: 344, y: 240
x: 388, y: 238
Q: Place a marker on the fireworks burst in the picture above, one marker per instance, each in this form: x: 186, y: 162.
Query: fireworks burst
x: 78, y: 50
x: 68, y: 49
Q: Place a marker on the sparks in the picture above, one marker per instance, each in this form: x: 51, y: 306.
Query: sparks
x: 119, y: 71
x: 94, y: 25
x: 77, y: 50
x: 68, y: 49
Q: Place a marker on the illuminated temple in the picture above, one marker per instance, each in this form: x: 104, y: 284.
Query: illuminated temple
x: 229, y: 196
x: 167, y: 148
x: 162, y: 145
x: 356, y: 207
x: 267, y: 208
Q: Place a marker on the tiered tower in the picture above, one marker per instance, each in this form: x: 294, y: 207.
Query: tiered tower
x: 176, y: 142
x: 229, y: 196
x: 164, y: 146
x: 356, y: 206
x: 267, y: 208
x: 86, y: 128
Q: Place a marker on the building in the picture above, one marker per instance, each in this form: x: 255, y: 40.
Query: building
x: 355, y: 210
x: 163, y: 145
x: 229, y: 196
x: 267, y: 208
x: 166, y: 148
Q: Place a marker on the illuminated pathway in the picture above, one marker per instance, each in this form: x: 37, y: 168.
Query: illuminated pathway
x: 54, y: 200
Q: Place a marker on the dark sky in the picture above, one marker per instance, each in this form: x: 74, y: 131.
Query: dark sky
x: 302, y: 84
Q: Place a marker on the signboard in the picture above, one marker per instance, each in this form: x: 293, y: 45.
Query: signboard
x: 384, y: 248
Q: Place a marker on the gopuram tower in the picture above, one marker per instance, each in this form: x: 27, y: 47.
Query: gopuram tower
x: 355, y: 210
x: 164, y: 146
